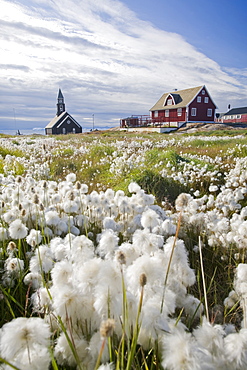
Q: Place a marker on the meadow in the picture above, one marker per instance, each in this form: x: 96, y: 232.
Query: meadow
x: 123, y: 251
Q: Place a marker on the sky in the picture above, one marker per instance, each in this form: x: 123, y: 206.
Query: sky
x: 113, y: 59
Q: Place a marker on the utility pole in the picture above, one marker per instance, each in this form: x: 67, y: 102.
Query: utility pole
x: 93, y: 121
x: 14, y: 118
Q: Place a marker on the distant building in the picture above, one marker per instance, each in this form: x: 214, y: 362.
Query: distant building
x: 174, y: 109
x: 189, y: 105
x: 63, y: 122
x: 235, y: 115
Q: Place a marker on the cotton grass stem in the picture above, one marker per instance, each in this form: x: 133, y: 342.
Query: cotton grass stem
x: 8, y: 363
x: 70, y: 342
x: 170, y: 260
x: 203, y: 279
x: 244, y: 312
x: 124, y: 319
x: 100, y: 353
x: 131, y: 355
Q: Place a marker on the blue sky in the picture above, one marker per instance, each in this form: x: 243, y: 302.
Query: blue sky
x: 116, y: 58
x: 215, y: 27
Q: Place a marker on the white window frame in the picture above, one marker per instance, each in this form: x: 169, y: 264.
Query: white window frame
x: 167, y: 113
x: 199, y: 99
x: 206, y: 99
x: 193, y: 112
x: 169, y: 101
x: 156, y: 113
x: 203, y: 92
x: 209, y: 112
x: 179, y: 112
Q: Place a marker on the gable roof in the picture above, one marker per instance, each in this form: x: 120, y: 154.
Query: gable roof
x: 71, y: 118
x: 55, y: 120
x: 241, y: 110
x: 182, y: 98
x: 59, y: 120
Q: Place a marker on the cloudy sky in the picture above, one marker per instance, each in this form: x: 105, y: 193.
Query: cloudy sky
x: 115, y: 58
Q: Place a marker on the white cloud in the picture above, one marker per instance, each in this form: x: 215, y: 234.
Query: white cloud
x: 104, y: 58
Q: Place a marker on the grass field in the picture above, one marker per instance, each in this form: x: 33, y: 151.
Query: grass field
x: 124, y: 251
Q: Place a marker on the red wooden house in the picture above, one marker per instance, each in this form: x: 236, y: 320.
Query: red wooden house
x: 235, y: 115
x: 189, y: 105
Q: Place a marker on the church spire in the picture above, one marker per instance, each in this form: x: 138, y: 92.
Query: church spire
x: 60, y: 103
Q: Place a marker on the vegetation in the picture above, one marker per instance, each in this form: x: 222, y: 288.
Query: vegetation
x: 128, y: 249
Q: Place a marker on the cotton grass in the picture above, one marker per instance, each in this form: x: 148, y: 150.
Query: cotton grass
x: 82, y: 256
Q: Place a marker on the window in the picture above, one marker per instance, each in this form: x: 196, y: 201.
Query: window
x: 169, y: 101
x: 199, y: 99
x: 193, y: 112
x: 238, y: 116
x: 179, y: 112
x: 64, y: 130
x: 167, y: 113
x: 68, y: 122
x: 73, y: 130
x: 203, y: 92
x: 156, y: 113
x: 206, y: 99
x: 209, y: 112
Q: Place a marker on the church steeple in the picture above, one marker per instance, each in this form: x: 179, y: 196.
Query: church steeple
x: 60, y: 103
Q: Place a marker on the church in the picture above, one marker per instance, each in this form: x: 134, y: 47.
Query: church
x: 63, y: 122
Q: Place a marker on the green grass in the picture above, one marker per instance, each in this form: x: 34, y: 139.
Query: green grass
x: 13, y: 152
x: 162, y: 188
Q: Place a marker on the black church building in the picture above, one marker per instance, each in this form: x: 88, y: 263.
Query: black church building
x: 63, y: 122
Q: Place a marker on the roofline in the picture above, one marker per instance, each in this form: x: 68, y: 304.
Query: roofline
x: 230, y: 110
x: 210, y: 97
x: 186, y: 105
x: 177, y: 92
x: 71, y: 119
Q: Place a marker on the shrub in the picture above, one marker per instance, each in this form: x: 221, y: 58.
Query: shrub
x: 162, y: 188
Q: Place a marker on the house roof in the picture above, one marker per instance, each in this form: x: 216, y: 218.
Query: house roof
x: 182, y: 98
x: 55, y: 120
x: 71, y: 118
x: 241, y: 110
x: 58, y: 120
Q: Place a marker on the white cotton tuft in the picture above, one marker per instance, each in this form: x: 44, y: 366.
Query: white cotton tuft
x: 17, y: 230
x: 150, y: 219
x: 42, y: 260
x: 211, y: 338
x: 14, y: 266
x: 25, y: 338
x: 52, y: 218
x: 34, y: 237
x: 71, y: 177
x: 179, y: 351
x: 63, y: 352
x: 3, y: 233
x: 109, y: 223
x: 106, y: 367
x: 146, y: 242
x: 134, y: 187
x: 108, y: 243
x: 236, y: 349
